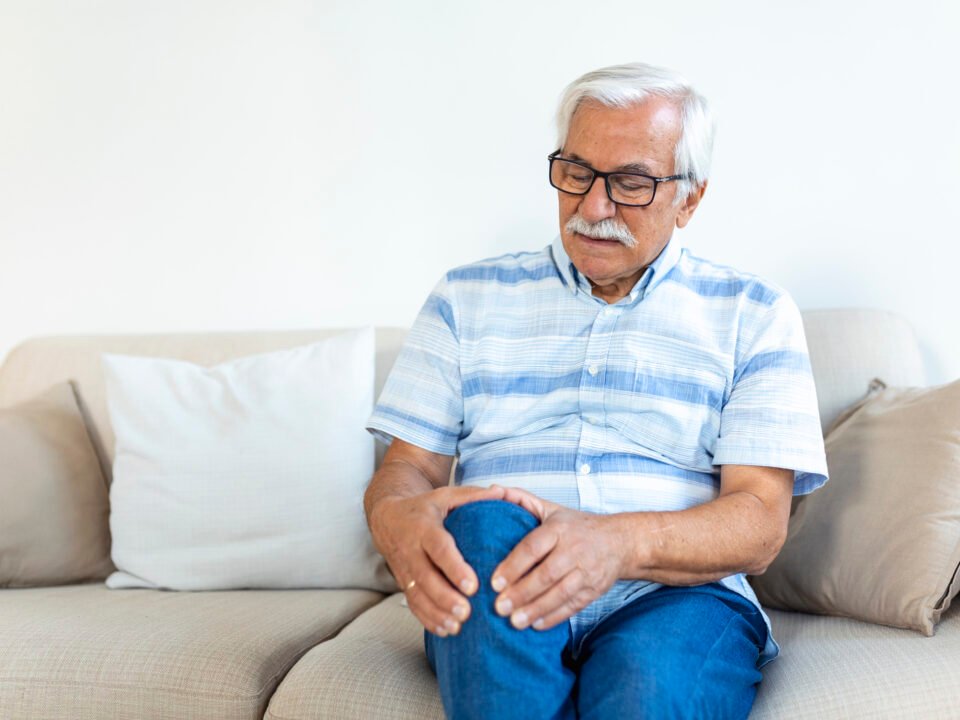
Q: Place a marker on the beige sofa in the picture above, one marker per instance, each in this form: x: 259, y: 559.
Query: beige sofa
x: 84, y: 651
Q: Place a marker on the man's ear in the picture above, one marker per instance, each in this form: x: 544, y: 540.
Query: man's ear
x: 688, y: 206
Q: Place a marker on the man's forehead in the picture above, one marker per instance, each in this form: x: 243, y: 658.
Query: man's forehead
x: 659, y: 114
x: 631, y: 139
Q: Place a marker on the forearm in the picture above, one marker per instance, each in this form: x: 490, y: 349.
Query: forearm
x: 394, y: 479
x: 731, y: 534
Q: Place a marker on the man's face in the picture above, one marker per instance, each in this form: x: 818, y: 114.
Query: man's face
x: 640, y: 138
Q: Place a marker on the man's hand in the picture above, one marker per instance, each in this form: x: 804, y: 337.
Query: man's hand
x: 423, y: 556
x: 560, y: 567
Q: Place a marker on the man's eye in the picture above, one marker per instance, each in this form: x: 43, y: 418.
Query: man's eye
x: 579, y: 178
x: 633, y: 186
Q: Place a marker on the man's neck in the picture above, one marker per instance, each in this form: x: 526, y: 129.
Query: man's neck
x: 610, y: 298
x: 614, y: 292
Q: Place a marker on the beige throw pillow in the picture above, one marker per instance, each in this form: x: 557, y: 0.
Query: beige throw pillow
x: 881, y: 541
x: 53, y: 513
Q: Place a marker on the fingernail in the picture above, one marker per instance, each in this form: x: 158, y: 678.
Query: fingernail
x: 460, y: 611
x: 519, y: 619
x: 499, y: 583
x: 538, y: 624
x: 452, y: 626
x: 468, y: 586
x: 439, y: 630
x: 504, y: 606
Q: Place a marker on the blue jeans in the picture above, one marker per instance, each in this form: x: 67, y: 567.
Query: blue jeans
x: 676, y: 652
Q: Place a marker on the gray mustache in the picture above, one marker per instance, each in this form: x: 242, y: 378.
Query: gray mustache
x: 606, y: 229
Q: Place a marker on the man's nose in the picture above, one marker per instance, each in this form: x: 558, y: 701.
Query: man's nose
x: 596, y: 204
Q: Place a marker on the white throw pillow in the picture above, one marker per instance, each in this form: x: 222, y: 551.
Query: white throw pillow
x: 248, y: 474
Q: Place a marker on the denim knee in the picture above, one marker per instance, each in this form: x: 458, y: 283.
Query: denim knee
x: 491, y: 669
x: 487, y: 530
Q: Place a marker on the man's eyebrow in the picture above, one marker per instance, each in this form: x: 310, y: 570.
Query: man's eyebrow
x: 636, y: 167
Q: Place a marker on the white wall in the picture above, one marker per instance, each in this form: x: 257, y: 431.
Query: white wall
x: 172, y: 165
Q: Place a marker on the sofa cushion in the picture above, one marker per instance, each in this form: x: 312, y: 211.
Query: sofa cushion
x: 247, y: 474
x: 829, y: 668
x: 375, y: 668
x: 833, y: 667
x: 53, y: 512
x: 85, y: 652
x: 880, y: 542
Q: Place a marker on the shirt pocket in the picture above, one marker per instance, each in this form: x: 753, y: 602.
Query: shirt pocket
x: 671, y: 407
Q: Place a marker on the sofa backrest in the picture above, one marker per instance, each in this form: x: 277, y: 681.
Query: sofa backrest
x: 37, y: 363
x: 851, y: 346
x: 848, y: 348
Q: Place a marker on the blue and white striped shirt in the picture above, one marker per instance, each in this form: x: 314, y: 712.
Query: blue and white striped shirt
x: 514, y: 365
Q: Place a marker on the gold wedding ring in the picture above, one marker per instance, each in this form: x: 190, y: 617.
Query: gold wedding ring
x: 410, y: 586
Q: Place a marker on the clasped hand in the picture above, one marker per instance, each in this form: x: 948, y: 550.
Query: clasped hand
x: 561, y: 566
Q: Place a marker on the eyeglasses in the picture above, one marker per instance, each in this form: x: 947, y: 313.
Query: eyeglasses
x: 623, y: 188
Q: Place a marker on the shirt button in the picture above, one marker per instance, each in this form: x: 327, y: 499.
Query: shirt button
x: 607, y: 311
x: 584, y: 469
x: 592, y: 370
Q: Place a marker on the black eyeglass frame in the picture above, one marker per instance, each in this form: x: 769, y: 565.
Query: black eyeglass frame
x: 606, y: 179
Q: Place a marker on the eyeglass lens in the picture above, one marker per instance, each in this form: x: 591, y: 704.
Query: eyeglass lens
x: 624, y: 187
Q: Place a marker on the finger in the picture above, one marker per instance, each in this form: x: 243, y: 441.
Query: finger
x: 452, y: 606
x: 434, y: 621
x: 441, y: 549
x: 431, y: 615
x: 527, y: 553
x: 454, y: 497
x: 527, y: 500
x: 551, y: 570
x: 561, y: 602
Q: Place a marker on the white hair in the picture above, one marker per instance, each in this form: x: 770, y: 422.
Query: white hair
x: 624, y: 85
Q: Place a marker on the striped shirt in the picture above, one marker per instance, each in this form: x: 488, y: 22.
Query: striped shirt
x: 516, y: 367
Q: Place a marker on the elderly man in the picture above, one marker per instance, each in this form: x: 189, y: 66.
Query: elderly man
x: 631, y: 422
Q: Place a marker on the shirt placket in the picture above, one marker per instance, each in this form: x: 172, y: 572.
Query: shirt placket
x: 593, y: 377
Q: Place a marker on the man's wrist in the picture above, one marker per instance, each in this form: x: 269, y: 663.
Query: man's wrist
x: 634, y: 536
x: 377, y: 508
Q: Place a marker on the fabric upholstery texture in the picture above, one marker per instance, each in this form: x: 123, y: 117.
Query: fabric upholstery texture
x: 53, y: 496
x: 842, y: 668
x: 830, y: 668
x: 375, y: 668
x: 849, y: 347
x: 248, y: 474
x: 881, y: 542
x: 84, y: 652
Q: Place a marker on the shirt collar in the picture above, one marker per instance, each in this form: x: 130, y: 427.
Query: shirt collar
x: 652, y: 276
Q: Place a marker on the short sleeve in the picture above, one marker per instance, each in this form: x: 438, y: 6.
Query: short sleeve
x: 771, y: 417
x: 421, y: 402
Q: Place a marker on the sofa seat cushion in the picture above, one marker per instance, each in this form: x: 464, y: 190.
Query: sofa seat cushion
x: 83, y: 651
x: 837, y: 667
x: 375, y: 668
x: 829, y: 668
